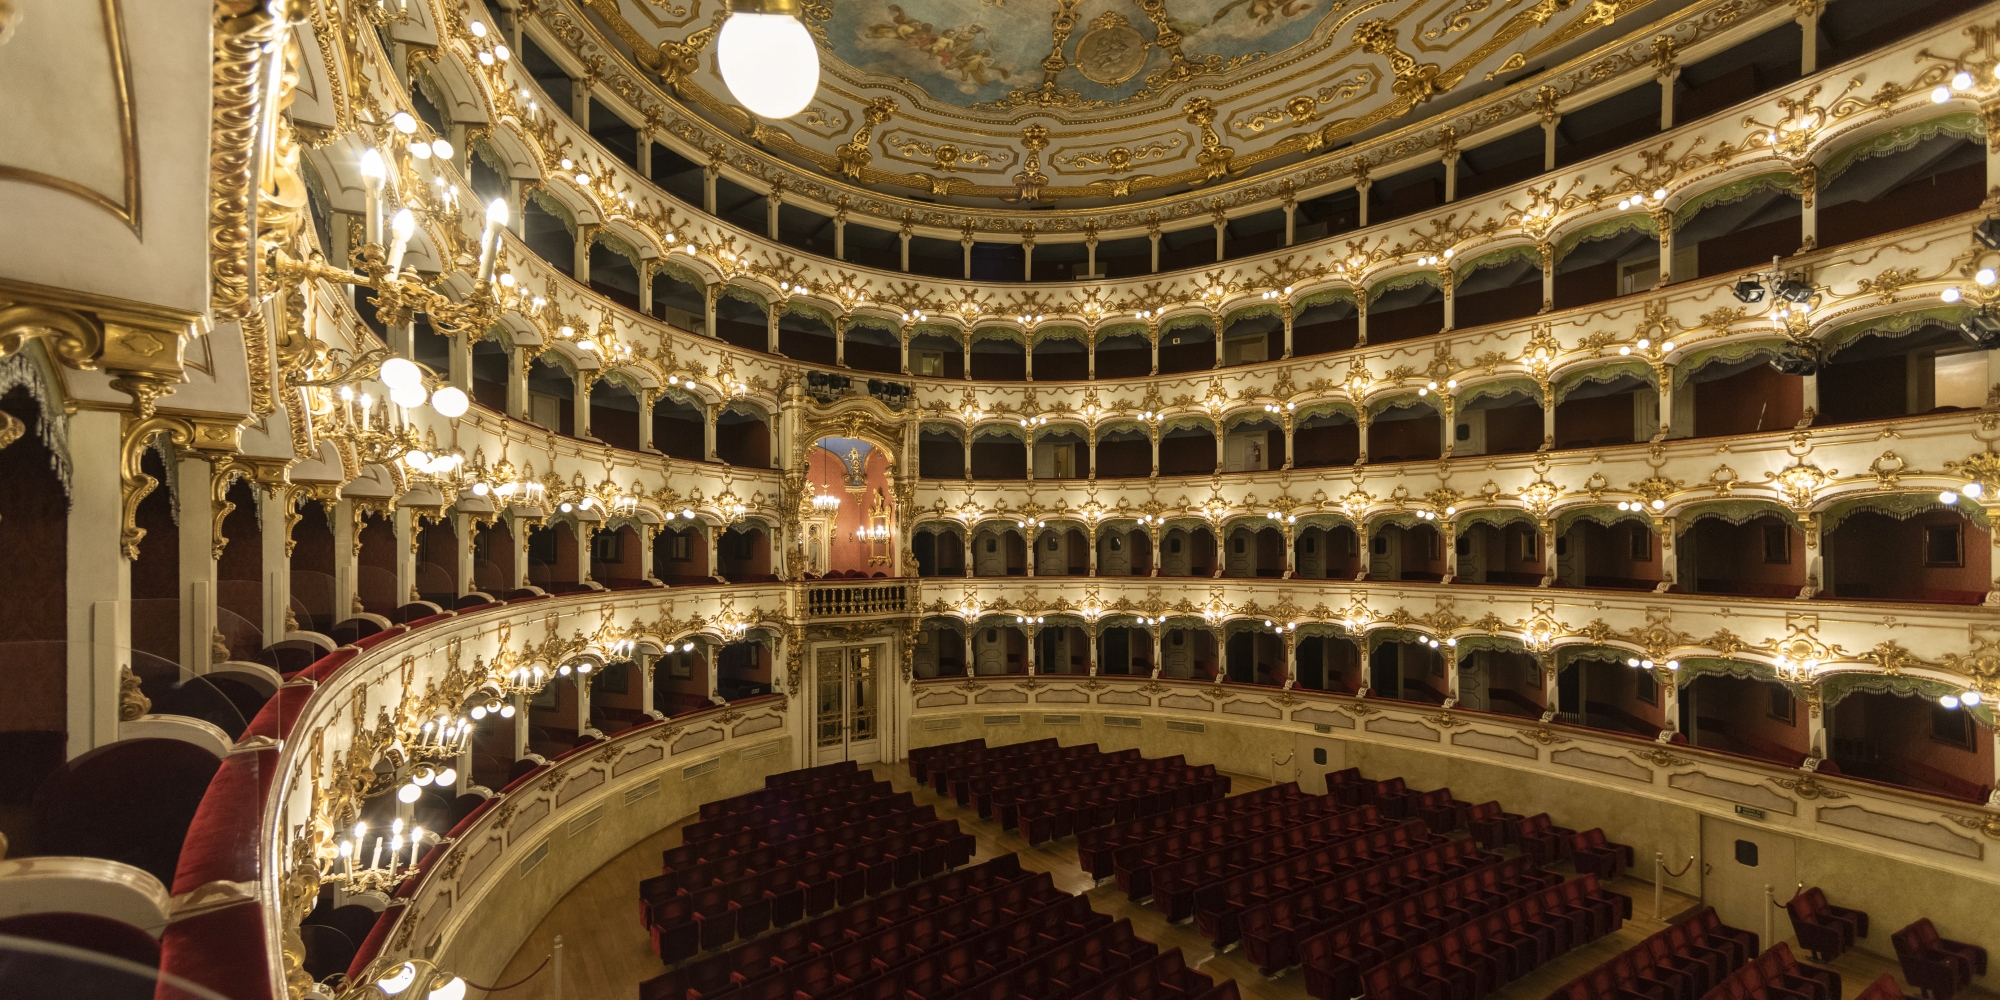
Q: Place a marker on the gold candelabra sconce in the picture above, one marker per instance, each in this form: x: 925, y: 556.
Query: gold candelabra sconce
x: 876, y: 531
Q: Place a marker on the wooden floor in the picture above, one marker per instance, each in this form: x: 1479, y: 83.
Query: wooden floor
x: 606, y: 953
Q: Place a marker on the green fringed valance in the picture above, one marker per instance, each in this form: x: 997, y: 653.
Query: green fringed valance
x: 1008, y: 334
x: 1323, y: 630
x: 1120, y: 330
x: 1324, y: 521
x: 616, y: 244
x: 874, y: 323
x: 1901, y: 506
x: 1402, y: 281
x: 1399, y: 519
x: 1693, y: 362
x: 678, y: 272
x: 1063, y: 333
x: 1637, y: 222
x: 750, y: 295
x: 1610, y: 372
x: 1325, y: 296
x: 1498, y: 387
x: 1569, y: 656
x: 556, y: 208
x: 1004, y: 432
x: 951, y: 333
x: 1837, y: 686
x: 1498, y: 517
x: 799, y: 307
x: 1695, y: 667
x: 1601, y: 514
x: 1736, y: 512
x: 1252, y: 312
x: 1964, y: 124
x: 1189, y: 322
x: 1186, y: 420
x: 1249, y: 417
x: 682, y: 396
x: 1340, y: 408
x: 1500, y: 258
x: 1489, y: 643
x: 1399, y: 401
x: 940, y: 427
x: 1735, y: 191
x: 1897, y: 325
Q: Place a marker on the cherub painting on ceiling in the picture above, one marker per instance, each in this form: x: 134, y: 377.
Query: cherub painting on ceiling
x: 956, y: 50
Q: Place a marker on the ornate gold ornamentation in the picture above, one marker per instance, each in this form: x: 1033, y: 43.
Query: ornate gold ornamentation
x: 1806, y: 786
x: 132, y: 702
x: 854, y: 155
x: 1987, y: 825
x: 1659, y: 757
x: 1545, y: 736
x: 1112, y: 51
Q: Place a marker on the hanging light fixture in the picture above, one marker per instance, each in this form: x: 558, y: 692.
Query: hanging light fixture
x: 767, y: 57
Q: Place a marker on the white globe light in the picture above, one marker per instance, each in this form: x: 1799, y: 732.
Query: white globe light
x: 400, y: 372
x: 410, y: 793
x: 450, y: 401
x: 769, y: 63
x: 407, y: 396
x: 448, y: 776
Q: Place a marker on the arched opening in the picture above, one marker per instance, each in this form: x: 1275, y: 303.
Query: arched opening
x: 999, y: 359
x: 1410, y: 432
x: 1124, y: 651
x: 1124, y: 552
x: 1762, y: 557
x: 1255, y: 656
x: 1062, y: 453
x: 375, y: 569
x: 493, y: 569
x: 871, y: 348
x: 1508, y: 682
x: 1881, y: 375
x: 744, y: 552
x: 1254, y: 552
x: 1187, y: 346
x: 1406, y: 552
x: 490, y: 363
x: 1912, y: 741
x: 934, y: 355
x: 1929, y: 180
x: 1621, y: 410
x: 1408, y: 670
x: 1062, y: 649
x: 999, y: 452
x: 312, y: 567
x: 1328, y: 663
x: 551, y: 396
x: 1327, y: 553
x: 939, y: 552
x: 156, y: 574
x: 999, y: 552
x: 614, y: 414
x: 1126, y: 355
x: 1723, y: 236
x: 1607, y: 261
x: 239, y: 575
x: 940, y: 453
x: 678, y: 301
x: 1622, y: 555
x: 1061, y: 550
x: 1498, y: 293
x: 743, y: 670
x: 1059, y: 359
x: 34, y: 508
x: 680, y: 678
x: 743, y: 323
x: 616, y: 557
x: 552, y: 557
x: 1253, y: 446
x: 1740, y: 715
x: 614, y: 275
x: 1326, y: 440
x: 548, y: 236
x: 1188, y: 450
x: 1253, y: 340
x: 941, y: 650
x: 1407, y: 313
x: 742, y: 438
x: 1507, y: 554
x: 680, y: 427
x: 1124, y: 453
x: 1601, y: 691
x: 1187, y: 552
x: 680, y: 555
x: 1508, y: 423
x: 1741, y: 397
x: 1189, y: 654
x: 437, y: 561
x: 1325, y: 327
x: 617, y: 699
x: 999, y: 649
x: 1933, y: 556
x: 806, y: 337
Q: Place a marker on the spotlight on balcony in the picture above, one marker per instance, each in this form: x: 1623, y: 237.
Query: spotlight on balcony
x: 1797, y: 359
x: 1749, y: 290
x: 1982, y: 328
x: 1988, y: 234
x: 1794, y: 291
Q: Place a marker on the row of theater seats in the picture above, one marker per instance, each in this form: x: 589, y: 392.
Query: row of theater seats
x: 1097, y: 850
x: 1050, y: 791
x: 805, y: 843
x: 1773, y: 975
x: 990, y: 932
x: 1683, y: 962
x: 1134, y: 865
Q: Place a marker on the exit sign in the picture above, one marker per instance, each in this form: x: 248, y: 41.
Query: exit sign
x: 1749, y: 813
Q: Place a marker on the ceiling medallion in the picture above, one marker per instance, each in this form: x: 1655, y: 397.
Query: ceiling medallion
x: 1111, y: 52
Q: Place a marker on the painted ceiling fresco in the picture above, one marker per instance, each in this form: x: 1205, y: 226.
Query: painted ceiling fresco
x: 976, y: 53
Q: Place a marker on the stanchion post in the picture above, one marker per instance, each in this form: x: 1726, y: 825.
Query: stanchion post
x: 1769, y: 905
x: 1659, y: 876
x: 558, y: 963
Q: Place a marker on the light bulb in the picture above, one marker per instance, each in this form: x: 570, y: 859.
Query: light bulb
x: 422, y: 778
x: 450, y: 402
x: 478, y: 712
x: 399, y: 372
x: 398, y: 980
x: 442, y: 149
x: 371, y: 164
x: 1973, y: 489
x: 1938, y: 96
x: 506, y: 711
x: 1972, y: 698
x: 453, y: 990
x: 1951, y: 295
x: 408, y: 397
x: 409, y: 793
x: 478, y: 29
x: 420, y: 150
x: 480, y: 489
x: 769, y: 63
x: 496, y: 211
x: 405, y: 122
x: 448, y: 776
x: 1961, y: 80
x: 403, y: 226
x: 1949, y: 701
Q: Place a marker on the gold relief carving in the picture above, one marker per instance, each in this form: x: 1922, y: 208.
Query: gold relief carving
x: 1545, y: 736
x: 1119, y: 159
x: 132, y: 702
x: 931, y: 151
x: 1659, y: 757
x: 854, y: 155
x: 1808, y: 787
x: 1112, y: 51
x: 1987, y: 825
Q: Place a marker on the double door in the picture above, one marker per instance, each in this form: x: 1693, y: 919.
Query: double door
x: 847, y: 696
